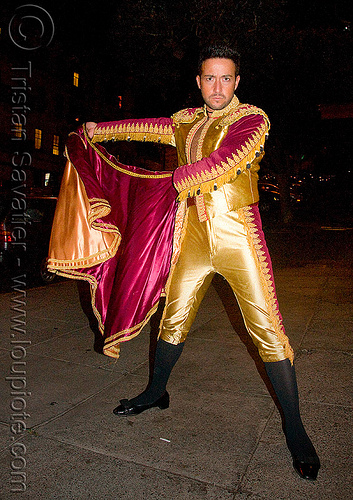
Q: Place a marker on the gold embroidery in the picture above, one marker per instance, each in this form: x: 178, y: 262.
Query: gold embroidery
x: 179, y: 231
x: 204, y: 131
x: 201, y: 208
x: 240, y: 112
x: 190, y: 138
x: 186, y: 115
x: 135, y: 131
x: 98, y: 208
x: 96, y: 258
x: 203, y: 182
x: 268, y: 287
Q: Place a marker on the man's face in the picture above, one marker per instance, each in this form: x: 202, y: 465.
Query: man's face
x: 217, y: 82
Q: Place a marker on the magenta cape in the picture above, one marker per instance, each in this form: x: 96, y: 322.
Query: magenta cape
x: 114, y: 228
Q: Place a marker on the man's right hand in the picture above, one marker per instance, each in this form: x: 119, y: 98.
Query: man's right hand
x: 90, y: 126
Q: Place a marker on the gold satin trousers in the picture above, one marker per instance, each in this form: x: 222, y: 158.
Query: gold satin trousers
x: 233, y: 245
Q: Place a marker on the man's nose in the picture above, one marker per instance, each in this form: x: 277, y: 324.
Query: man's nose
x: 217, y: 85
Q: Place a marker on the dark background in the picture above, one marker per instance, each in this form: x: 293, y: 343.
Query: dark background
x: 296, y: 61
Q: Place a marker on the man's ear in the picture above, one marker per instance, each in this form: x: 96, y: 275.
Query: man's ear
x: 237, y: 80
x: 198, y: 81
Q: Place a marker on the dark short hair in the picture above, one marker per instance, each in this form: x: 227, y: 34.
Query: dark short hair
x: 219, y: 51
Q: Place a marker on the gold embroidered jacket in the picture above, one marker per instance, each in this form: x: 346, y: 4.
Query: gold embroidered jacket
x: 230, y: 146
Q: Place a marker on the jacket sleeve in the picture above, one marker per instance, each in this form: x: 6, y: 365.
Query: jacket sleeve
x: 159, y: 130
x: 240, y: 150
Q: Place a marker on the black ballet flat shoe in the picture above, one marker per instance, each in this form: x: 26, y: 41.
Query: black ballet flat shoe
x: 307, y: 469
x: 126, y: 409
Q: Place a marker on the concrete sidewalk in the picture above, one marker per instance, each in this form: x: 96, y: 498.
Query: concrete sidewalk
x: 221, y: 437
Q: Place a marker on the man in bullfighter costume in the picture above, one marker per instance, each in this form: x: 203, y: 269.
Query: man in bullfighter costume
x: 216, y: 229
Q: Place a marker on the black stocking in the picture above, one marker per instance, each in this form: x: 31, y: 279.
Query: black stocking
x: 283, y: 380
x: 166, y: 356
